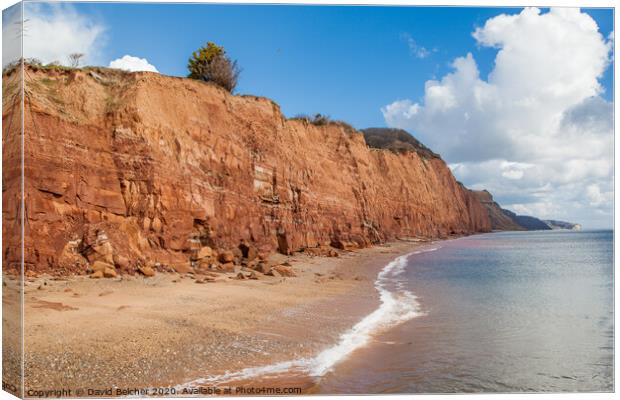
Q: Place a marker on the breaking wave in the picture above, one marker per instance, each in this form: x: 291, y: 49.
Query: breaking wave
x: 397, y: 305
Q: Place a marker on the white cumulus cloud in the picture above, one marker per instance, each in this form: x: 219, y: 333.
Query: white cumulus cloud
x: 414, y: 48
x: 537, y: 122
x: 597, y: 197
x: 131, y: 63
x: 55, y: 30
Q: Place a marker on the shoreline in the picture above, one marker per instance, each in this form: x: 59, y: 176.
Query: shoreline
x: 118, y: 333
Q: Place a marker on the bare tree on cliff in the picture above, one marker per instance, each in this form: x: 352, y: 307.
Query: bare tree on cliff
x: 211, y: 64
x: 74, y: 59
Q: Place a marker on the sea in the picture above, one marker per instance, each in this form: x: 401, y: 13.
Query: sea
x: 500, y: 312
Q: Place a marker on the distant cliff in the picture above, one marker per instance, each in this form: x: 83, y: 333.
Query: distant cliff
x: 400, y: 141
x: 140, y: 168
x: 553, y: 224
x: 506, y: 220
x: 396, y: 140
x: 501, y: 220
x: 528, y: 222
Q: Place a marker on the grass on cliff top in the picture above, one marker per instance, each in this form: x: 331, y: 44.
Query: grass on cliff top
x: 323, y: 120
x: 35, y: 65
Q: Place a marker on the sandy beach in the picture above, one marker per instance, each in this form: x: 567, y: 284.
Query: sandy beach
x: 167, y: 330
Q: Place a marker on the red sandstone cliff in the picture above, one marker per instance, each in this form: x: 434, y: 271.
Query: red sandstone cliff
x: 499, y: 219
x: 156, y: 167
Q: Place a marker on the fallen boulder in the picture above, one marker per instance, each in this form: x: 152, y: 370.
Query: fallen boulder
x: 109, y: 273
x: 273, y: 272
x: 146, y: 271
x: 237, y: 254
x: 70, y: 255
x: 95, y: 245
x: 204, y: 252
x: 101, y: 266
x: 321, y: 251
x: 284, y: 270
x: 121, y: 262
x: 262, y: 267
x: 226, y: 256
x: 182, y: 268
x: 226, y: 267
x: 344, y: 245
x: 96, y: 275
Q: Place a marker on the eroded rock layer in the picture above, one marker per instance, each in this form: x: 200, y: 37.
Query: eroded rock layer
x: 501, y: 220
x: 164, y: 165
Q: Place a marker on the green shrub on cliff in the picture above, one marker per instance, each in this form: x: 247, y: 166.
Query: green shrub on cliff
x: 323, y: 120
x: 211, y: 64
x: 317, y: 119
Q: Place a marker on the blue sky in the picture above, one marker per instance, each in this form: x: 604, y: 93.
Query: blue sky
x: 516, y: 101
x: 346, y: 62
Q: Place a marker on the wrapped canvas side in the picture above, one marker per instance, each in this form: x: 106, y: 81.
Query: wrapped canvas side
x: 12, y: 201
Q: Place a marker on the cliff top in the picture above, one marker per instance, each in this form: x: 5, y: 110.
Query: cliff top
x: 52, y: 87
x: 396, y: 140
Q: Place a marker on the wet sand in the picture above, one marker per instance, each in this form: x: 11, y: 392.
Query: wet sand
x: 135, y: 332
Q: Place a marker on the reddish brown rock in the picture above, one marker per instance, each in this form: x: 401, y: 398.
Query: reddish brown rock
x: 161, y: 164
x: 284, y: 270
x: 274, y: 272
x: 321, y: 251
x: 226, y: 267
x: 101, y: 266
x: 204, y: 266
x: 204, y: 252
x: 182, y: 268
x: 238, y: 255
x: 263, y: 267
x: 121, y: 262
x: 109, y: 273
x: 499, y: 220
x: 70, y: 256
x: 156, y: 224
x: 97, y: 275
x: 31, y: 274
x: 226, y: 256
x: 96, y: 246
x: 248, y: 251
x: 146, y: 271
x: 345, y: 245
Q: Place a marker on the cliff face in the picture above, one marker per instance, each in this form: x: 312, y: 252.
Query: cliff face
x: 500, y: 220
x: 11, y: 171
x: 506, y: 220
x: 528, y: 223
x: 156, y: 166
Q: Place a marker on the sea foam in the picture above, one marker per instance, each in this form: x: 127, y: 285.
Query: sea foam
x: 396, y: 306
